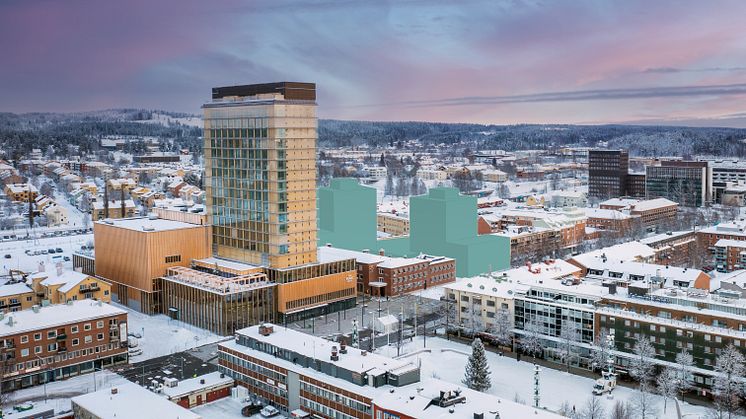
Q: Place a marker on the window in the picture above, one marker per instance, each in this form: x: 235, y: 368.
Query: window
x: 87, y: 326
x: 88, y: 339
x: 24, y: 352
x: 76, y: 341
x: 37, y: 349
x: 173, y: 259
x: 51, y: 334
x: 74, y: 329
x: 52, y: 347
x: 100, y: 336
x: 37, y: 336
x: 24, y: 339
x: 100, y: 324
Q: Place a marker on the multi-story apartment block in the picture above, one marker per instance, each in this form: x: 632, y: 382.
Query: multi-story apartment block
x: 101, y: 211
x: 651, y: 212
x: 44, y: 344
x: 392, y: 224
x: 61, y: 286
x: 19, y: 192
x: 16, y: 297
x: 730, y: 255
x: 673, y: 248
x: 688, y: 183
x: 607, y: 173
x: 609, y: 220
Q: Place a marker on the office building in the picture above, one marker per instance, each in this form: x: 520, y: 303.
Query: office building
x: 305, y: 374
x: 128, y: 400
x: 688, y: 183
x: 260, y: 163
x: 607, y: 173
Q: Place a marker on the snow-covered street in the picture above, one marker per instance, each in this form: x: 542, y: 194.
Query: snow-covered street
x: 511, y: 379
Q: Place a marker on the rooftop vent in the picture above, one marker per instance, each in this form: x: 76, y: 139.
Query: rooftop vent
x: 114, y: 390
x: 266, y: 330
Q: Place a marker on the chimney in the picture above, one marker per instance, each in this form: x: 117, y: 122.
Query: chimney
x: 382, y: 252
x: 114, y: 390
x: 335, y: 356
x: 342, y: 347
x: 35, y: 307
x: 202, y: 381
x: 265, y: 330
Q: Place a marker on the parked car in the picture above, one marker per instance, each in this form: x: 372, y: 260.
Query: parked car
x: 251, y: 409
x: 7, y: 256
x: 135, y: 335
x: 135, y: 352
x: 51, y: 251
x: 59, y: 250
x: 269, y: 411
x: 66, y: 258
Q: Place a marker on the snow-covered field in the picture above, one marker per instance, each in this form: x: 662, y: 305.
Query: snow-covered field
x: 446, y: 361
x: 163, y: 336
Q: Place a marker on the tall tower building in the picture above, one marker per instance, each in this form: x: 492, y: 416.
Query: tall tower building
x: 260, y: 167
x: 607, y: 173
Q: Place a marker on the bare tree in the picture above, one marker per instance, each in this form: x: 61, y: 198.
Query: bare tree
x: 668, y: 385
x: 620, y: 410
x: 531, y: 338
x: 569, y: 334
x: 503, y: 328
x: 642, y: 369
x: 727, y: 386
x: 593, y: 409
x: 600, y: 350
x: 684, y: 367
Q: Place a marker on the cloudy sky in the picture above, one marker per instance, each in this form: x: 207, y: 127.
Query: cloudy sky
x: 457, y: 61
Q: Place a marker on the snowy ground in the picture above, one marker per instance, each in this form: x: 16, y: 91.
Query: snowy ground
x: 20, y: 260
x: 227, y: 408
x: 59, y: 393
x: 163, y: 336
x: 447, y: 359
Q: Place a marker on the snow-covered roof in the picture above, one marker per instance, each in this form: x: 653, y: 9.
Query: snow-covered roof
x: 128, y: 203
x: 730, y: 243
x: 327, y: 254
x: 68, y: 279
x: 607, y: 214
x: 56, y: 315
x: 628, y: 252
x: 620, y: 202
x: 14, y: 289
x: 146, y: 224
x: 416, y: 401
x: 652, y: 240
x: 652, y: 204
x: 315, y: 347
x: 131, y: 401
x: 195, y: 384
x: 225, y: 263
x: 669, y: 274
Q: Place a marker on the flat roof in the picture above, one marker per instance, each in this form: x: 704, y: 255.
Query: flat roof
x: 56, y: 315
x: 131, y: 401
x: 147, y: 224
x: 326, y: 254
x: 192, y: 385
x: 318, y: 348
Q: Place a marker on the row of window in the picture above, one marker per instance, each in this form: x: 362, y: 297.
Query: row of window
x: 52, y: 360
x: 335, y: 397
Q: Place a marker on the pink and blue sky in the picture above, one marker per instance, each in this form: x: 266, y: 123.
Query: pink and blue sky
x: 485, y: 61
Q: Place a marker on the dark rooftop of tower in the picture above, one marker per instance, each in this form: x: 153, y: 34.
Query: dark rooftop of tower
x: 289, y: 89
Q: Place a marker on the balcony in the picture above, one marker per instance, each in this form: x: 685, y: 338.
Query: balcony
x: 62, y: 336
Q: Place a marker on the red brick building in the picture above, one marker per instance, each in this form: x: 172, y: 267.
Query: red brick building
x: 59, y: 341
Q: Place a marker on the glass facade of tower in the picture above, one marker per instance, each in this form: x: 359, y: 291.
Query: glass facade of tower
x: 260, y: 154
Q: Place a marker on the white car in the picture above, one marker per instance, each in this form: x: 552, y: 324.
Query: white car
x: 135, y: 352
x: 269, y: 411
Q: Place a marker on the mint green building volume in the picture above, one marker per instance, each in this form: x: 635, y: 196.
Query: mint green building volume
x: 441, y: 223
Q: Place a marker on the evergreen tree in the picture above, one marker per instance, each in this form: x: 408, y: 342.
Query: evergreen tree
x: 477, y: 374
